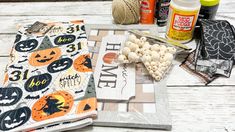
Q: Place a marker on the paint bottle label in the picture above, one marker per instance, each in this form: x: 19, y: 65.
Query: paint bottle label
x: 147, y: 11
x: 181, y: 24
x: 162, y: 8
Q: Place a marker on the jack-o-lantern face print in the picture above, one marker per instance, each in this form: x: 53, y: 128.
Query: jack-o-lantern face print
x: 53, y: 105
x: 14, y: 118
x: 60, y: 65
x: 10, y: 96
x: 26, y: 45
x: 44, y: 57
x: 83, y: 63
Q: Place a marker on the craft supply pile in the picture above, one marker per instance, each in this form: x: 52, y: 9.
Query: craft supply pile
x: 68, y: 75
x: 185, y: 21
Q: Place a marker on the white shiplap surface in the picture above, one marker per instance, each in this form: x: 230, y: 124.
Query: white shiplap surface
x: 194, y: 107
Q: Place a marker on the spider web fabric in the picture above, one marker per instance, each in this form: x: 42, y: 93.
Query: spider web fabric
x: 215, y: 51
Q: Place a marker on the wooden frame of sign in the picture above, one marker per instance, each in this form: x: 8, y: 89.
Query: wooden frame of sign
x: 148, y: 108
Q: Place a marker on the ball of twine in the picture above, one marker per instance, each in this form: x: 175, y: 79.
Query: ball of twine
x: 126, y: 11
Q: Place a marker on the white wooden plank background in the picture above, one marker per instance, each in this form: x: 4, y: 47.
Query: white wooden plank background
x: 194, y: 107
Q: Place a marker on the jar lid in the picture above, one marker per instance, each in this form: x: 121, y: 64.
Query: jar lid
x: 209, y: 2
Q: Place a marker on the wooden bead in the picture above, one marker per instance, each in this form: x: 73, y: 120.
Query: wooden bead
x: 126, y: 51
x: 157, y: 78
x: 146, y: 58
x: 139, y: 52
x: 143, y: 39
x: 137, y: 41
x: 168, y: 57
x: 162, y: 53
x: 140, y: 44
x: 147, y: 64
x: 155, y: 47
x: 171, y: 50
x: 126, y: 61
x: 154, y: 68
x: 121, y: 58
x: 132, y: 57
x: 133, y: 47
x: 132, y: 38
x: 155, y: 55
x: 153, y: 63
x: 151, y: 72
x: 128, y: 43
x: 146, y: 45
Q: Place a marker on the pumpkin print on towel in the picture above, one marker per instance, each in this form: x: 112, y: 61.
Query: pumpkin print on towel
x: 14, y: 118
x: 10, y: 96
x: 26, y: 45
x: 60, y: 65
x: 45, y: 54
x: 83, y: 63
x: 53, y: 105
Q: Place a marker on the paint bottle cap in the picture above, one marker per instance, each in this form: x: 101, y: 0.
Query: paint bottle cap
x: 209, y: 2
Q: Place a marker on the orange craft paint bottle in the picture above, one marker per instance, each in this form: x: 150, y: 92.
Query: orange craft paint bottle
x: 147, y: 11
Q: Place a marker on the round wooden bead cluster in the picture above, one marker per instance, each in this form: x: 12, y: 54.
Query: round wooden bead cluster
x: 156, y: 58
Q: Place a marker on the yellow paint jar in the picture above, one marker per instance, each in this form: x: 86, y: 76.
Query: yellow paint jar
x: 182, y: 19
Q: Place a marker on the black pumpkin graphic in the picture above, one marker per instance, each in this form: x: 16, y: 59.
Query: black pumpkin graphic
x: 64, y: 39
x: 26, y: 45
x: 60, y: 65
x: 10, y: 96
x: 14, y: 118
x: 38, y: 82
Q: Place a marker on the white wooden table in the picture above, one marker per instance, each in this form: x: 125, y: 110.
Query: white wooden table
x: 194, y: 107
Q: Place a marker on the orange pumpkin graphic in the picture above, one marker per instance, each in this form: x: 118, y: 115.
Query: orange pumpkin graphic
x: 109, y: 57
x: 44, y: 57
x: 87, y: 105
x: 83, y: 63
x: 53, y: 105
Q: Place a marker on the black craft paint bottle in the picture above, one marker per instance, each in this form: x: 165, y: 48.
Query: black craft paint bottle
x: 161, y: 12
x: 208, y: 9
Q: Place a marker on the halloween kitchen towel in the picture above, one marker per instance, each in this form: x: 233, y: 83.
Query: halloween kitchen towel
x: 49, y: 81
